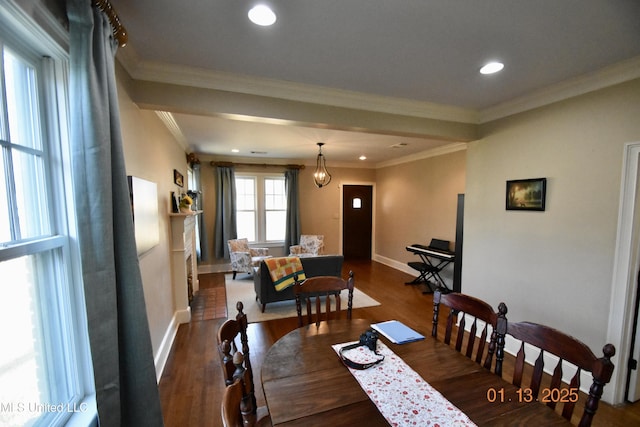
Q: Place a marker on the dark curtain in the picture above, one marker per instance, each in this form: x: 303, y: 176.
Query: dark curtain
x: 225, y: 228
x: 292, y: 233
x: 124, y: 371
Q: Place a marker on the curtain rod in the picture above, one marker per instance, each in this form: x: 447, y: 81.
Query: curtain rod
x: 264, y: 165
x: 119, y: 32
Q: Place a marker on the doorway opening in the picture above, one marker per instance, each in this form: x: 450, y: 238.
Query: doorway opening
x: 624, y: 284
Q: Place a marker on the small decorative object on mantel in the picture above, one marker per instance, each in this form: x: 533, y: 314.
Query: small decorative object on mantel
x: 194, y: 196
x: 175, y: 202
x: 526, y: 194
x: 185, y: 204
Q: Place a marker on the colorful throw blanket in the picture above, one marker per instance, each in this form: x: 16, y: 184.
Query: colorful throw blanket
x: 283, y: 270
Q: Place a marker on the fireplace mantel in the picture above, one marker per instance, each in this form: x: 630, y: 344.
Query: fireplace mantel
x: 184, y: 262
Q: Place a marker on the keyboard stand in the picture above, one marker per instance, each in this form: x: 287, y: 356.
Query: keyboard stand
x: 429, y: 270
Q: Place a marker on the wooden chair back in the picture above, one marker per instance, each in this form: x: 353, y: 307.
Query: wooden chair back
x: 318, y: 288
x: 231, y: 401
x: 565, y: 348
x: 238, y: 405
x: 232, y: 337
x: 464, y: 308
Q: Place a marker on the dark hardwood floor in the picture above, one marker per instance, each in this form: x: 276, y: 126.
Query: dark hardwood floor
x: 191, y: 386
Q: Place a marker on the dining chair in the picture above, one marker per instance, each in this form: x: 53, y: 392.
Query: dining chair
x: 231, y: 401
x: 235, y: 356
x: 237, y: 408
x: 492, y: 325
x: 319, y: 288
x: 556, y: 347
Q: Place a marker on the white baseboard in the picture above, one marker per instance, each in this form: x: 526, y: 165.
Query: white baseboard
x: 402, y: 266
x: 165, y: 346
x: 183, y: 316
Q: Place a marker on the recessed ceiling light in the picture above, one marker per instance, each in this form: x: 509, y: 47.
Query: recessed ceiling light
x: 492, y: 67
x: 235, y: 150
x: 363, y: 157
x: 262, y: 15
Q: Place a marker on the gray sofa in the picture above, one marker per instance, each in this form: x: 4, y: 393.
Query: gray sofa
x: 323, y: 265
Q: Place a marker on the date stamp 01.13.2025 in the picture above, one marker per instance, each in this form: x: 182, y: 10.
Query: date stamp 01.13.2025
x: 525, y: 395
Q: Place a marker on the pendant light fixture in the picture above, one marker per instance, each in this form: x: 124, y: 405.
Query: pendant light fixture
x: 321, y: 176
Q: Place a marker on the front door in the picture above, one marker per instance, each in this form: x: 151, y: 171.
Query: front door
x: 357, y: 211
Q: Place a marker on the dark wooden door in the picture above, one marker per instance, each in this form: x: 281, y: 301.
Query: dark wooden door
x: 357, y: 211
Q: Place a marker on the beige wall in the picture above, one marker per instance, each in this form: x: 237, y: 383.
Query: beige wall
x: 417, y: 202
x: 151, y: 153
x: 553, y: 267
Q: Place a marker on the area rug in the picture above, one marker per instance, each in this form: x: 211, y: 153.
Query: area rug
x: 241, y: 289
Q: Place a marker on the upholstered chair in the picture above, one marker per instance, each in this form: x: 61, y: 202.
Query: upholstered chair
x: 244, y: 258
x: 310, y: 244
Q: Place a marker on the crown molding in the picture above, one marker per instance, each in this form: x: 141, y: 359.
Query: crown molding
x: 311, y: 163
x: 172, y: 126
x: 438, y: 151
x: 188, y: 76
x: 605, y: 77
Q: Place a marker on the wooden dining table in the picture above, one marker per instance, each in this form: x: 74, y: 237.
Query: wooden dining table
x: 306, y: 384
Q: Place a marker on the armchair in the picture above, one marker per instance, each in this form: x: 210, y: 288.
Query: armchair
x: 310, y: 244
x: 244, y: 258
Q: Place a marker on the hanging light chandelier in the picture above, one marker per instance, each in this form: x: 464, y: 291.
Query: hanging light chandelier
x: 321, y: 176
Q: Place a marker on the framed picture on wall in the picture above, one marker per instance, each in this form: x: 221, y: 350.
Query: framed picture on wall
x: 144, y: 208
x: 177, y: 178
x: 526, y: 194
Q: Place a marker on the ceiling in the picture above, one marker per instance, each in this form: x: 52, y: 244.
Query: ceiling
x: 417, y: 57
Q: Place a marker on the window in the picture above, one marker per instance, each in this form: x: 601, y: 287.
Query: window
x: 275, y: 208
x: 44, y: 372
x: 246, y: 207
x: 261, y: 207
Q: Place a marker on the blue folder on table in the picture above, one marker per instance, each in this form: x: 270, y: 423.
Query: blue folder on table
x: 397, y: 332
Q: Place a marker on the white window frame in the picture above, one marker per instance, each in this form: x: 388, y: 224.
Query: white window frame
x: 20, y: 33
x: 260, y: 216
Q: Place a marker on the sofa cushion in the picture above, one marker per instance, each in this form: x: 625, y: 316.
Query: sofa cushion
x: 322, y: 265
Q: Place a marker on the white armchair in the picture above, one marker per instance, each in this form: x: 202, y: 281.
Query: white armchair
x: 310, y: 244
x: 244, y: 258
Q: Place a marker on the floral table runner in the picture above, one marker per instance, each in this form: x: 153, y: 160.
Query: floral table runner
x: 401, y: 395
